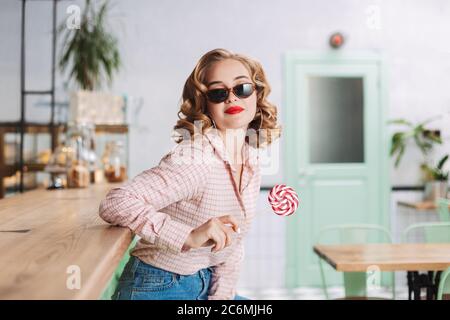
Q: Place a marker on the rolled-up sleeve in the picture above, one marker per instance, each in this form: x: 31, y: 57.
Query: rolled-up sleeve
x: 137, y: 203
x: 226, y: 275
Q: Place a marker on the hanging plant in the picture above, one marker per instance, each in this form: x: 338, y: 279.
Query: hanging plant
x: 91, y: 52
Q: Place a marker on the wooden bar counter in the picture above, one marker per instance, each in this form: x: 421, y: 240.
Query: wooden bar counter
x: 49, y: 238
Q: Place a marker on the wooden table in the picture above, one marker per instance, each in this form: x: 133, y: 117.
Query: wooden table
x: 421, y: 205
x: 47, y: 236
x: 412, y: 257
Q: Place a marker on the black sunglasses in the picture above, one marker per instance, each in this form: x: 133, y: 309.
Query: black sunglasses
x: 243, y: 90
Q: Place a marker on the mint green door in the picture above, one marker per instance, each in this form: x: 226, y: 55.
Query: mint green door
x: 336, y: 152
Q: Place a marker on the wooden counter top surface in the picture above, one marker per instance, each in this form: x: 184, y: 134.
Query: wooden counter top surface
x: 49, y: 238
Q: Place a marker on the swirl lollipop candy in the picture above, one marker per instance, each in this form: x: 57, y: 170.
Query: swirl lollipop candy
x: 283, y: 199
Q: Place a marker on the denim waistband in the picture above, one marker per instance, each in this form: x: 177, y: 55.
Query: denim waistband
x: 135, y: 264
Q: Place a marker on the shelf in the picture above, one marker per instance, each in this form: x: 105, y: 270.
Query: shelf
x: 111, y: 128
x: 30, y: 127
x: 34, y: 128
x: 38, y: 92
x: 7, y: 170
x: 11, y: 169
x: 423, y: 205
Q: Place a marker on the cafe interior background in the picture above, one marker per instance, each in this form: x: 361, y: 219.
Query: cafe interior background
x: 341, y: 72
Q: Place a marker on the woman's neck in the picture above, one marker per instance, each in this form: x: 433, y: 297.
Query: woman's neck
x: 234, y: 140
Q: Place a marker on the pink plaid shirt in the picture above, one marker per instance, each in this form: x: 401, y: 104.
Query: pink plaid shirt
x: 191, y: 184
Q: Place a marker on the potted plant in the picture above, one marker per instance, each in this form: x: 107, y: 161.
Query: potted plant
x: 91, y: 56
x: 91, y: 51
x: 424, y: 139
x: 436, y: 185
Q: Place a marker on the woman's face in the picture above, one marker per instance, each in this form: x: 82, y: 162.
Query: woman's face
x: 227, y: 74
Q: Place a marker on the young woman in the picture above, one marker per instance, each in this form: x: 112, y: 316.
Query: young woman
x: 194, y: 209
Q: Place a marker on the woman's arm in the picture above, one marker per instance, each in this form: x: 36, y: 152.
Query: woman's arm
x: 136, y: 204
x: 226, y: 275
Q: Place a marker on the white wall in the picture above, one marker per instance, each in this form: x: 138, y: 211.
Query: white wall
x: 162, y: 40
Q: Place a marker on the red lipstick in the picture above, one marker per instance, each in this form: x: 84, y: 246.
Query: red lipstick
x: 234, y: 110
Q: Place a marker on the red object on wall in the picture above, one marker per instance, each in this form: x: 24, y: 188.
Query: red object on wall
x: 336, y: 40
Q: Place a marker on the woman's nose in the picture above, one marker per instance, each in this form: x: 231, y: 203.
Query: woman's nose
x: 231, y: 97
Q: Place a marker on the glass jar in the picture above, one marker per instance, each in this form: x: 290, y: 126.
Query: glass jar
x: 60, y: 161
x: 78, y: 171
x: 114, y: 162
x: 90, y: 155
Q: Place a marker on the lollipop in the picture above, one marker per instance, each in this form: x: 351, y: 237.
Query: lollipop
x: 283, y: 199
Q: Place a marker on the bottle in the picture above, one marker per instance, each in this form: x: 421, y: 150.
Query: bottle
x: 114, y: 162
x: 78, y: 173
x: 60, y: 161
x: 91, y: 156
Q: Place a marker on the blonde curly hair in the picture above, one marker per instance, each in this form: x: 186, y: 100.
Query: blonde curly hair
x: 193, y: 101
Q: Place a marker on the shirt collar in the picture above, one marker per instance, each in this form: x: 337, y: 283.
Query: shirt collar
x: 251, y: 157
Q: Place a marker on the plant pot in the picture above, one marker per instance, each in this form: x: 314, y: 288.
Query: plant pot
x: 435, y: 190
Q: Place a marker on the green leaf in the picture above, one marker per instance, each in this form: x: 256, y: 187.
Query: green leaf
x: 400, y: 121
x: 397, y: 142
x: 399, y: 155
x: 442, y: 162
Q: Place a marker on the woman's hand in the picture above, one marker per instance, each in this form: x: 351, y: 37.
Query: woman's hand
x: 216, y: 231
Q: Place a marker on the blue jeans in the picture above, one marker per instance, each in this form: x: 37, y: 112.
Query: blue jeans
x: 141, y: 281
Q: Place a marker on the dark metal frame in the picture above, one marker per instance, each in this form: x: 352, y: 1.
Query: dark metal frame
x: 418, y: 281
x: 53, y: 128
x: 24, y: 92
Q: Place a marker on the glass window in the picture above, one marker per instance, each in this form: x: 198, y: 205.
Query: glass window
x: 336, y: 119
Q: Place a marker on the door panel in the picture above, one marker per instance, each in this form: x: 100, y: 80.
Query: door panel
x: 335, y: 152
